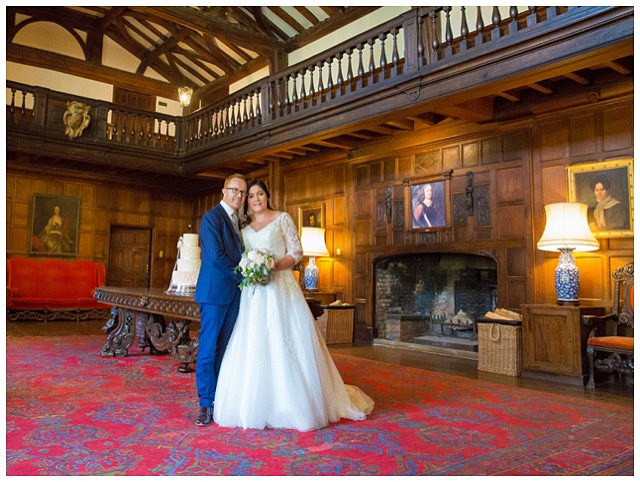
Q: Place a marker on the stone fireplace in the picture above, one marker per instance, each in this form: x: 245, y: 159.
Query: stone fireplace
x: 433, y: 298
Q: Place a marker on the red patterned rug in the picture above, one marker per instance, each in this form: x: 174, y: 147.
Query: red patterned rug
x: 72, y: 412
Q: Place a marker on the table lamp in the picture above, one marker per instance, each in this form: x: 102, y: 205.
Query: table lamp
x: 313, y: 245
x: 567, y: 230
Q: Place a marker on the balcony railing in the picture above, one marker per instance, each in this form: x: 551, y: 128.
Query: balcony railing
x: 419, y: 42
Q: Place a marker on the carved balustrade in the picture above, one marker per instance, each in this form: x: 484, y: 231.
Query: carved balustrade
x: 395, y: 54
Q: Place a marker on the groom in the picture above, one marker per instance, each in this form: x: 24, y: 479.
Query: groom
x: 217, y: 289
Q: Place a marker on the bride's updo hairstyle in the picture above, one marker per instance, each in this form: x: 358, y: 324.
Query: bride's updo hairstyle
x: 261, y: 185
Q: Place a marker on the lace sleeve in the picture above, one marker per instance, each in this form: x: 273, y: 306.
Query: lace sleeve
x: 291, y: 239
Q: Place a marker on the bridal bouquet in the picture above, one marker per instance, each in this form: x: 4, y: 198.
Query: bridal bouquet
x: 256, y: 266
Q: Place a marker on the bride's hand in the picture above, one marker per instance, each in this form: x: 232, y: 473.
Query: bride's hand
x: 285, y: 262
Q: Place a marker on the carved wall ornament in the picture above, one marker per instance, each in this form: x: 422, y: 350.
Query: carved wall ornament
x: 387, y: 203
x: 76, y: 118
x: 459, y: 209
x: 482, y: 209
x: 469, y: 193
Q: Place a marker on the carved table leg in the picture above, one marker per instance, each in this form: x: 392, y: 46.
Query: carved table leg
x: 186, y: 354
x: 142, y: 320
x: 170, y: 335
x: 119, y: 333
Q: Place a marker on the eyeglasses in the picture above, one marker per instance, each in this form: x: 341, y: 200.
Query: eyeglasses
x: 236, y: 191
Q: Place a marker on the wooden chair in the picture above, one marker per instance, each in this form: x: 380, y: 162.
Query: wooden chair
x: 618, y: 347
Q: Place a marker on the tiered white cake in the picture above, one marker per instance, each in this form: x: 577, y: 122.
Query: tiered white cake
x: 187, y: 267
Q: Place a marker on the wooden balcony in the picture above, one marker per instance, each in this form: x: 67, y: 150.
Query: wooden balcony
x: 408, y: 74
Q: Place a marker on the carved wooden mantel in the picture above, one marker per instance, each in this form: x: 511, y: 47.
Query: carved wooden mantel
x: 156, y: 319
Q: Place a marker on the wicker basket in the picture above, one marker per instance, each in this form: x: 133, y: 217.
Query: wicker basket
x: 336, y: 324
x: 500, y: 347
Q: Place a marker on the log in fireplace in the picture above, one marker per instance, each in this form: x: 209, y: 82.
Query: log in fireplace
x: 433, y: 298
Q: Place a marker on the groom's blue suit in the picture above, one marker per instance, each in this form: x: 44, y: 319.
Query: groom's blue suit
x: 219, y: 297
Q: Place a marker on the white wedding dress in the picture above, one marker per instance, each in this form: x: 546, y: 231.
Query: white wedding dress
x: 277, y: 371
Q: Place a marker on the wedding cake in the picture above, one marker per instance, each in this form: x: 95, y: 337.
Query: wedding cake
x: 185, y: 271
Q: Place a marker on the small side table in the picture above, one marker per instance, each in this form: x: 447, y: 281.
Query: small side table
x: 324, y: 297
x: 555, y: 342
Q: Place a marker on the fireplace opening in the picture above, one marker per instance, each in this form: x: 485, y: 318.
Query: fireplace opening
x: 434, y: 298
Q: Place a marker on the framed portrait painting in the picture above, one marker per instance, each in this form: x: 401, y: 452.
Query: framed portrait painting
x: 54, y: 225
x: 607, y: 189
x: 311, y: 216
x: 427, y: 204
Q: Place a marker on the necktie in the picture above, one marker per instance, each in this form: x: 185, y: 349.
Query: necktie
x: 236, y: 227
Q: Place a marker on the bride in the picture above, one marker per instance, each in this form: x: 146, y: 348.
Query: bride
x: 277, y: 371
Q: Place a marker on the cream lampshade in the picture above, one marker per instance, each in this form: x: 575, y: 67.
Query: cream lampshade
x: 312, y: 240
x: 567, y: 230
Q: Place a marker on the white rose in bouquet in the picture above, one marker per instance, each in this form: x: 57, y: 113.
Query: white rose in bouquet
x: 256, y: 266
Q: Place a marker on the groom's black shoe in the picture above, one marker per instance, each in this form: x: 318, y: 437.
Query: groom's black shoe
x: 205, y: 417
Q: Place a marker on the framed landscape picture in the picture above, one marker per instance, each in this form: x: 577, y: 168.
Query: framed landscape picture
x: 54, y: 225
x: 607, y: 189
x: 427, y: 204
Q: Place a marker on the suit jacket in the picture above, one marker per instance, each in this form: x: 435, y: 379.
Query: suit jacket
x: 221, y: 253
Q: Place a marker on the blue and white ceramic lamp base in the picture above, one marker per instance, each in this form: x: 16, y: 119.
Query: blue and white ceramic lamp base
x: 311, y: 275
x: 567, y: 278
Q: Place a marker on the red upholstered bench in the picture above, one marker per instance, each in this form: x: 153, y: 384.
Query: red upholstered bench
x: 53, y: 288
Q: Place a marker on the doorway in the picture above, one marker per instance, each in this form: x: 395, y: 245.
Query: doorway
x: 129, y: 257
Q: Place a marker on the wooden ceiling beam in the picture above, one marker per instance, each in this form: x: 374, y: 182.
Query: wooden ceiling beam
x: 111, y: 17
x: 247, y: 20
x: 163, y: 48
x: 119, y: 34
x: 297, y: 152
x: 337, y: 142
x: 193, y: 72
x: 309, y: 148
x: 197, y: 61
x: 507, y: 96
x: 380, y: 129
x: 60, y: 63
x: 402, y: 124
x: 332, y: 10
x: 60, y: 15
x: 268, y: 25
x: 618, y: 67
x: 191, y: 18
x: 239, y: 52
x: 214, y: 54
x: 428, y: 119
x: 288, y: 19
x: 247, y: 69
x: 306, y: 13
x: 541, y: 88
x: 360, y: 135
x: 282, y: 155
x: 577, y: 78
x: 327, y: 26
x: 477, y: 110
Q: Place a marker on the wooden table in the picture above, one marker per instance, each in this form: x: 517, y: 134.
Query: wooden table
x: 157, y: 320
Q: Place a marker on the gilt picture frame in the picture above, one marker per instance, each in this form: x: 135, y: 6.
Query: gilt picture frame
x: 311, y: 216
x: 607, y: 189
x: 427, y: 206
x: 55, y: 226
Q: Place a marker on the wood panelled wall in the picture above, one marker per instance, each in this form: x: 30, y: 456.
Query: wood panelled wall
x: 102, y: 205
x: 594, y: 134
x: 517, y: 168
x: 327, y: 186
x: 498, y: 226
